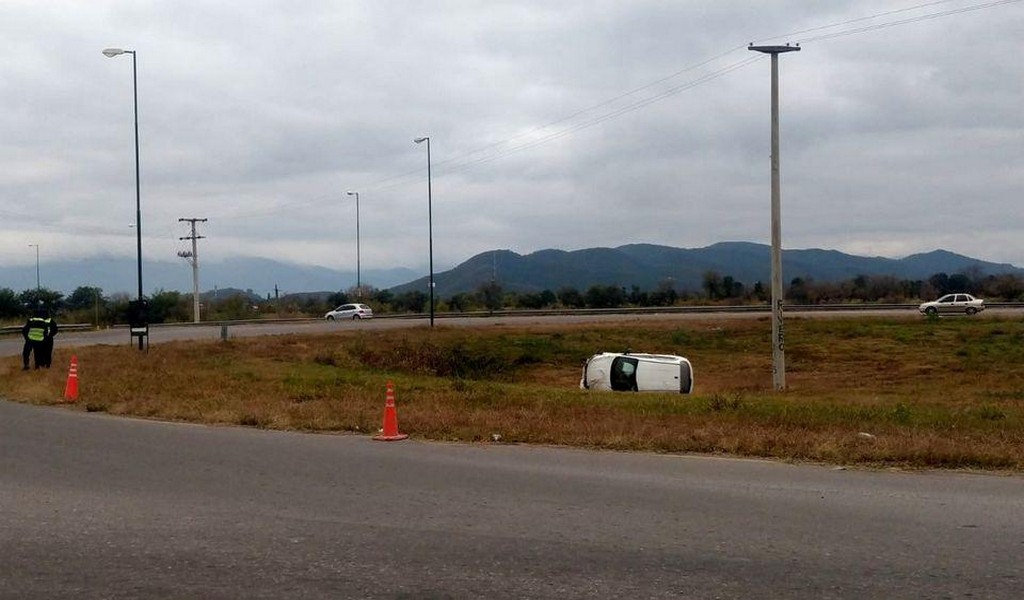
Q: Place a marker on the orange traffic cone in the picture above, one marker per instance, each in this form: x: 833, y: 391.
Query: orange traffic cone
x: 71, y: 389
x: 390, y: 432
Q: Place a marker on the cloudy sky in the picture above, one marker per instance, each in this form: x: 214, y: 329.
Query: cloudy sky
x: 553, y: 124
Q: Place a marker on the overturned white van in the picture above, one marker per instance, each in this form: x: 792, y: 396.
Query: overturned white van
x: 628, y: 372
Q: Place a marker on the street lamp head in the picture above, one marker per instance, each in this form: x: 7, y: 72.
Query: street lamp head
x: 352, y: 193
x: 420, y: 140
x: 112, y: 52
x: 774, y: 49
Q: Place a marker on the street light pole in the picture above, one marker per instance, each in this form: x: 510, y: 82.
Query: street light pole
x: 430, y: 226
x: 778, y: 330
x: 37, y: 265
x: 111, y: 53
x: 359, y: 283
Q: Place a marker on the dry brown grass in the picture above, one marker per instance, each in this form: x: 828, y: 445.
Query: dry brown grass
x: 945, y: 393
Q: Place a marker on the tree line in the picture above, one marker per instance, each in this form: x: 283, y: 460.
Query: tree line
x: 89, y: 304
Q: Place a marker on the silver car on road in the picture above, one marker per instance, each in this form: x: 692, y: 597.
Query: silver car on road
x: 951, y: 304
x: 350, y: 311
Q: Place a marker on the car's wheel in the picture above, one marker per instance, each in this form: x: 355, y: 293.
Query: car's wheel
x: 931, y: 311
x: 356, y: 317
x: 971, y: 310
x: 330, y: 317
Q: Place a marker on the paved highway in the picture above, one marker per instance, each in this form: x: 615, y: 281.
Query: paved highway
x: 93, y: 506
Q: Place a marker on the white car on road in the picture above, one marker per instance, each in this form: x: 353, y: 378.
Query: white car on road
x: 953, y: 304
x: 350, y: 311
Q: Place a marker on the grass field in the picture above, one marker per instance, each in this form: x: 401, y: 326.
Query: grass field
x: 902, y: 392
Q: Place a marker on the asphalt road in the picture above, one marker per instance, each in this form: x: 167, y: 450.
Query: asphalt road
x: 93, y: 506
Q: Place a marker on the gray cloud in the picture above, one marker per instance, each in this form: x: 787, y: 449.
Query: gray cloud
x: 260, y: 118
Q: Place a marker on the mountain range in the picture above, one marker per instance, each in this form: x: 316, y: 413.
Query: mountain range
x: 258, y: 275
x: 643, y: 265
x: 646, y: 265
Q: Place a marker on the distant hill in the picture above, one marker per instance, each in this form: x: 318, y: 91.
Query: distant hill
x: 220, y: 294
x: 259, y: 275
x: 645, y: 265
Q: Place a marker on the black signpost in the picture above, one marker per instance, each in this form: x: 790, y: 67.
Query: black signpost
x: 138, y: 321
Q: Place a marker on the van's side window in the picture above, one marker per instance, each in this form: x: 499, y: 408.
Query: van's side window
x: 623, y: 375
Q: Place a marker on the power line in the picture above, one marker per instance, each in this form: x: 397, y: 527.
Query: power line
x: 607, y: 102
x: 463, y: 161
x: 612, y: 115
x: 681, y: 72
x: 416, y: 174
x: 503, y: 148
x: 919, y: 18
x: 460, y: 163
x: 791, y: 34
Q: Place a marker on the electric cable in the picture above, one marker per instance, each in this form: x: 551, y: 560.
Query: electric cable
x: 503, y: 148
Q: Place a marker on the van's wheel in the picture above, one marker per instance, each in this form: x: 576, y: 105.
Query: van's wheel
x: 971, y: 310
x: 931, y: 311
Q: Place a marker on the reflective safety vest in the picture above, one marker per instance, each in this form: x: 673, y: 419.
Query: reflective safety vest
x: 37, y: 328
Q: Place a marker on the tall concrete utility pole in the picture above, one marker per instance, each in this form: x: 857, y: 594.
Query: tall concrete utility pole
x: 430, y: 224
x: 359, y: 280
x: 193, y: 258
x: 37, y: 266
x: 778, y: 330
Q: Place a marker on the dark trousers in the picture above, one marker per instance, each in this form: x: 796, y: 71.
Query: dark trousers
x: 45, y: 352
x: 35, y: 348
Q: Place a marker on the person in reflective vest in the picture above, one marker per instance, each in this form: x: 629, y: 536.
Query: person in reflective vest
x: 46, y: 358
x: 38, y: 332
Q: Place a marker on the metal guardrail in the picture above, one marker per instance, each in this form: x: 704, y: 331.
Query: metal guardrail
x: 739, y: 308
x: 643, y: 310
x: 11, y: 329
